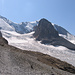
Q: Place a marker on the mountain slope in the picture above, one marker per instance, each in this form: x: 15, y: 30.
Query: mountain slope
x: 5, y: 26
x: 46, y: 33
x: 64, y: 33
x: 24, y: 27
x: 14, y: 61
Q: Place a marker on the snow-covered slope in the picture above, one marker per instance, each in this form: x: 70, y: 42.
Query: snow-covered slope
x: 18, y: 35
x: 64, y: 33
x: 5, y: 26
x: 27, y: 42
x: 24, y: 27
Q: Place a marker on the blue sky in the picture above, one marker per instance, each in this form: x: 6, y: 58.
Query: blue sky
x: 60, y: 12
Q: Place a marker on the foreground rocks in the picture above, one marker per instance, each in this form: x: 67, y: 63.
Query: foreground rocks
x: 14, y: 61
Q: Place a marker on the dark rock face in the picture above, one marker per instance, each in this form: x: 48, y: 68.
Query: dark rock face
x: 45, y: 30
x: 2, y: 40
x: 0, y: 34
x: 46, y: 33
x: 59, y: 42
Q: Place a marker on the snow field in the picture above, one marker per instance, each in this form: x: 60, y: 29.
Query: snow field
x: 27, y: 42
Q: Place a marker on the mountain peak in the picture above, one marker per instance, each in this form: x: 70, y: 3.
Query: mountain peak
x: 43, y: 19
x: 45, y: 30
x: 47, y: 34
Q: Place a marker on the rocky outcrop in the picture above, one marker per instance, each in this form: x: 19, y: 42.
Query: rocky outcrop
x: 46, y: 33
x: 0, y: 34
x: 2, y: 40
x: 45, y: 30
